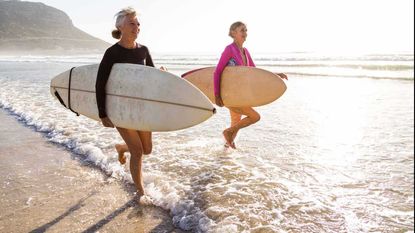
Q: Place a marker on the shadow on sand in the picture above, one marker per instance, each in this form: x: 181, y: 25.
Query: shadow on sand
x: 72, y: 209
x: 138, y: 212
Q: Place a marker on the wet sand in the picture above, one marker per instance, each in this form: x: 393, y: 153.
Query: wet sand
x: 45, y: 188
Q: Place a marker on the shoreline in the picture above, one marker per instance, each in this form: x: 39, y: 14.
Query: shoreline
x: 48, y: 188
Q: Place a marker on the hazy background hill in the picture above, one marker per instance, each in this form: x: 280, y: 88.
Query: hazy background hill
x: 32, y: 27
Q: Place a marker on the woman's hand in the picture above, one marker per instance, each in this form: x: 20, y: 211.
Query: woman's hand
x: 107, y: 122
x: 219, y: 101
x: 163, y: 68
x: 282, y: 75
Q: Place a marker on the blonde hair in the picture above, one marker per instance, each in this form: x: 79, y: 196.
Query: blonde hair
x: 116, y: 33
x: 234, y: 26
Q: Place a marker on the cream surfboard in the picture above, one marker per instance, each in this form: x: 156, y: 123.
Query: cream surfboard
x: 241, y: 86
x: 137, y: 97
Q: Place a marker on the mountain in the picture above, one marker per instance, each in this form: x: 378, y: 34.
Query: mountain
x: 33, y: 27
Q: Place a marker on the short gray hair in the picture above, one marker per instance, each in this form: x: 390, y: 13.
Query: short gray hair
x: 120, y: 17
x: 234, y: 26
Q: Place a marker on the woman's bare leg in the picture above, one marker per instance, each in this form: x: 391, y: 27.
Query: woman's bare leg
x: 121, y: 149
x: 235, y: 118
x: 146, y: 141
x: 133, y: 141
x: 251, y: 117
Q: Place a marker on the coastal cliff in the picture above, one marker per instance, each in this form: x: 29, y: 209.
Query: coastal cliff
x: 33, y: 27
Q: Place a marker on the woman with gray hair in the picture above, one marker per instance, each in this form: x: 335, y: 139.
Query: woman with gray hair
x: 126, y: 50
x: 236, y: 55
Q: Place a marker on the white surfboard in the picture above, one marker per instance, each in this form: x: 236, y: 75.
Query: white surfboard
x: 241, y: 86
x: 137, y: 97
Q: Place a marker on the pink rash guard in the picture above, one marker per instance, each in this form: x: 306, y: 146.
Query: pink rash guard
x: 230, y: 56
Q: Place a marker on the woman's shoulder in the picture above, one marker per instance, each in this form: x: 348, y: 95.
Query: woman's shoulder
x: 228, y: 49
x: 141, y: 46
x: 112, y: 48
x: 142, y: 49
x: 229, y: 46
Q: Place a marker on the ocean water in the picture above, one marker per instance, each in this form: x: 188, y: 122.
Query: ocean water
x: 334, y: 154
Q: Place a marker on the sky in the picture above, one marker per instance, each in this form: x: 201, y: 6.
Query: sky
x: 274, y: 26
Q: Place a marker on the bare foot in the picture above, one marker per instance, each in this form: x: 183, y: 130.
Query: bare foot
x: 227, y: 134
x: 232, y: 145
x: 144, y: 200
x: 121, y: 156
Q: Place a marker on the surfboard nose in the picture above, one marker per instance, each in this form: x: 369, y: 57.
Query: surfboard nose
x: 59, y: 81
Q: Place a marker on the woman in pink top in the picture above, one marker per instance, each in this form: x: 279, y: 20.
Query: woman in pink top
x: 235, y: 55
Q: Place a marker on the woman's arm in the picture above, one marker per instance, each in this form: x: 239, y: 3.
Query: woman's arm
x: 104, y: 71
x: 223, y: 61
x: 149, y: 60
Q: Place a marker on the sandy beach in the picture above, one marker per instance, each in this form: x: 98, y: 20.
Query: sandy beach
x: 45, y: 188
x: 333, y: 154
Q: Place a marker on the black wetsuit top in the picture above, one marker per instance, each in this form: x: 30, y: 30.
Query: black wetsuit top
x: 117, y: 54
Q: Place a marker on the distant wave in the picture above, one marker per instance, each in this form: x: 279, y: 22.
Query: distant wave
x: 314, y: 57
x: 214, y: 58
x: 347, y: 76
x: 392, y: 67
x: 379, y: 66
x: 93, y: 58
